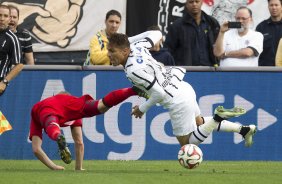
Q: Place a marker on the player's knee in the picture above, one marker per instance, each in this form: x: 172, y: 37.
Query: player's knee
x: 183, y: 139
x: 199, y: 120
x: 102, y: 107
x: 78, y: 142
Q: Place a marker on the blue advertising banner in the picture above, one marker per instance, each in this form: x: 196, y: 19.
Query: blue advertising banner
x: 118, y: 136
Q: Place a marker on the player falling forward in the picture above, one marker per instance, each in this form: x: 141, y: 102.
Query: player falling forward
x: 64, y: 110
x: 166, y: 87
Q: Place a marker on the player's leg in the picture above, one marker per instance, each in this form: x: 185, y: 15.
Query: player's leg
x: 227, y: 126
x: 118, y: 96
x: 95, y: 107
x: 183, y: 118
x: 221, y: 114
x: 52, y: 128
x: 246, y: 131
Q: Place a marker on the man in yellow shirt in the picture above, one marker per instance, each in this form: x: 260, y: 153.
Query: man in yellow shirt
x: 98, y: 53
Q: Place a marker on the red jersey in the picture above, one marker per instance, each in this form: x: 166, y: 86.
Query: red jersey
x: 66, y: 107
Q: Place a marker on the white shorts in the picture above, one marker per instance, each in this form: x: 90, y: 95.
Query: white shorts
x: 184, y: 110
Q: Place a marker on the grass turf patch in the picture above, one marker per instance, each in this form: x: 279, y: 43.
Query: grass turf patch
x: 128, y: 172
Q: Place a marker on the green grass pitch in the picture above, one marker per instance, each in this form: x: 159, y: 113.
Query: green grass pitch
x: 143, y: 172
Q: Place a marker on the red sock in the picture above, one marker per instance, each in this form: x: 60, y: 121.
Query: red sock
x: 91, y: 108
x: 117, y: 96
x: 53, y: 131
x: 51, y: 126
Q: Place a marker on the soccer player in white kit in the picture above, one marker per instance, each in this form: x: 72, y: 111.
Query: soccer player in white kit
x: 165, y: 86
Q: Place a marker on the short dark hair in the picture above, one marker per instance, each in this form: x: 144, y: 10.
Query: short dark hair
x: 119, y: 40
x: 153, y: 27
x: 14, y: 7
x: 113, y: 12
x: 244, y: 7
x: 280, y: 1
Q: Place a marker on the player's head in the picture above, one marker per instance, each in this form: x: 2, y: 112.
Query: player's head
x: 113, y: 21
x: 64, y: 93
x: 4, y: 17
x: 14, y: 18
x: 118, y: 49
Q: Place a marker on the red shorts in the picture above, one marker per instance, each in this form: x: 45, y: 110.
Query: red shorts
x: 36, y: 126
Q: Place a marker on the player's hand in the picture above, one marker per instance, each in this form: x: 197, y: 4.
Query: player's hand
x: 60, y: 27
x: 136, y: 112
x: 58, y: 167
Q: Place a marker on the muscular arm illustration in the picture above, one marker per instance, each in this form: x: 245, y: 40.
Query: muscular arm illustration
x: 27, y: 10
x: 56, y: 22
x: 61, y: 26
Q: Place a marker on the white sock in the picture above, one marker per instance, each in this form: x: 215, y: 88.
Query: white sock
x: 202, y: 132
x: 226, y: 126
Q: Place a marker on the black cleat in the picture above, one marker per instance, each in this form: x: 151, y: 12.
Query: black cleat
x: 64, y: 151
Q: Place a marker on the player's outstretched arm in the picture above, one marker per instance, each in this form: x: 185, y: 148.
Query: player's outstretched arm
x: 79, y: 147
x: 152, y: 37
x: 41, y: 155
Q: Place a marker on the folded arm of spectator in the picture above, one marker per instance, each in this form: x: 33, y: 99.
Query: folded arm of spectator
x: 241, y: 53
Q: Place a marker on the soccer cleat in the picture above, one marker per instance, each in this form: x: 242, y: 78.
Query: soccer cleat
x: 140, y: 92
x: 229, y: 113
x: 64, y: 151
x: 249, y: 135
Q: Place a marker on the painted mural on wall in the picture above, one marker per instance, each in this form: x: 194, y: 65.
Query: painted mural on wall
x: 54, y: 22
x: 63, y: 25
x: 222, y: 10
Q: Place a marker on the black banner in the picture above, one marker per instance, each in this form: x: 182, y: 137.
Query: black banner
x: 140, y: 15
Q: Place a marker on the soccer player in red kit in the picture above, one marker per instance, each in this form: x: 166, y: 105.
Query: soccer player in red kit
x: 64, y: 110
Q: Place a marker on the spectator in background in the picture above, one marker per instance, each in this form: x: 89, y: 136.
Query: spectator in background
x: 190, y: 39
x: 10, y: 57
x: 272, y: 31
x: 241, y: 46
x: 278, y: 58
x: 159, y: 53
x: 98, y: 53
x: 23, y: 36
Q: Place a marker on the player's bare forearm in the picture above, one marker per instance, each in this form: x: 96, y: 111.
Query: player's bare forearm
x: 41, y: 155
x: 79, y: 153
x: 46, y: 161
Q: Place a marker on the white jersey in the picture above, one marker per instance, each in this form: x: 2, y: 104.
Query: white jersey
x: 233, y: 41
x: 146, y: 73
x: 164, y: 85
